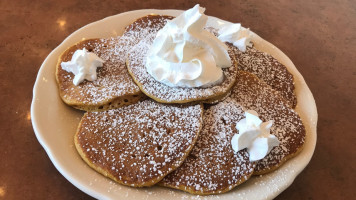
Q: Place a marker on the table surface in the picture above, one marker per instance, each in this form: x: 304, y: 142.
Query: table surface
x: 318, y: 36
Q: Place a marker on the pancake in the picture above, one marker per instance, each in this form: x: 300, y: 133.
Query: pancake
x: 142, y: 26
x: 143, y: 32
x: 213, y: 167
x: 254, y: 94
x: 114, y: 86
x: 268, y: 69
x: 139, y: 144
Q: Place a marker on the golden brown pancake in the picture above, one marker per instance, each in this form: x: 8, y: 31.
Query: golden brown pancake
x: 143, y: 32
x: 114, y: 86
x: 143, y: 25
x: 254, y: 94
x: 139, y: 144
x: 268, y: 69
x: 213, y: 167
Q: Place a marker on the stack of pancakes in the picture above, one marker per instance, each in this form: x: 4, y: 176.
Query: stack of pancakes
x: 140, y: 132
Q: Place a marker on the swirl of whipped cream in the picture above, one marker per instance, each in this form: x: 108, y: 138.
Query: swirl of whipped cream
x: 239, y: 36
x: 184, y: 54
x: 254, y: 135
x: 83, y: 65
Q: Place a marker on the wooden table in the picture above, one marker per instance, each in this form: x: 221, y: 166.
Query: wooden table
x: 318, y: 36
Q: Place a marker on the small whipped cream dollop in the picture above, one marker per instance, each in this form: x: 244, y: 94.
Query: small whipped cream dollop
x: 83, y: 65
x: 239, y: 36
x: 184, y: 54
x: 254, y: 135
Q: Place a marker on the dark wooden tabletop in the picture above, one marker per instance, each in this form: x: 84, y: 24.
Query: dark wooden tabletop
x: 318, y: 36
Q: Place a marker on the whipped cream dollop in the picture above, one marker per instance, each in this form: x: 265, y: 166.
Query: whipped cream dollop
x: 254, y: 135
x: 184, y: 54
x: 83, y: 65
x: 235, y: 34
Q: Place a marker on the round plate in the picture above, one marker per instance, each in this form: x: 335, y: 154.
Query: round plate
x: 55, y: 124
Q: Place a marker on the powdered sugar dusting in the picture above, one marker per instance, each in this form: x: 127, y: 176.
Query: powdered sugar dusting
x: 140, y: 143
x: 256, y: 95
x: 212, y: 166
x: 268, y: 69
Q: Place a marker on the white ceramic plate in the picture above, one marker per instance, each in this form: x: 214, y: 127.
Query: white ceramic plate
x: 55, y: 123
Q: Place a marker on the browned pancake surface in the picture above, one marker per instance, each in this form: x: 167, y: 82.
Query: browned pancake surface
x: 146, y: 24
x: 143, y: 32
x: 213, y: 167
x: 268, y: 69
x: 139, y: 144
x: 254, y: 94
x: 114, y: 86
